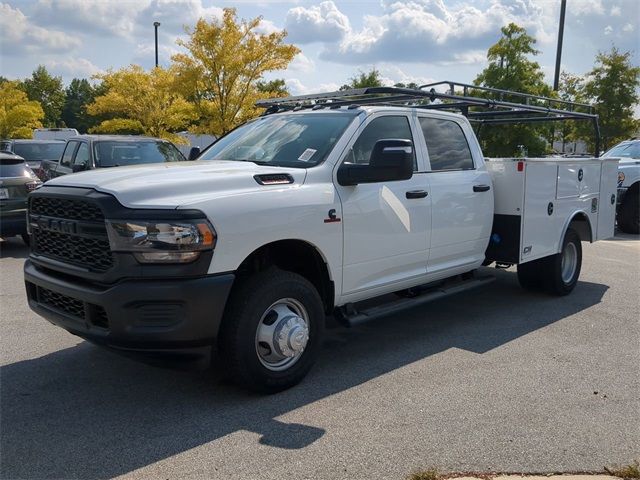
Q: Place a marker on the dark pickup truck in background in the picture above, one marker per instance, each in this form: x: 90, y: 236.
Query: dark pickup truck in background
x: 86, y: 152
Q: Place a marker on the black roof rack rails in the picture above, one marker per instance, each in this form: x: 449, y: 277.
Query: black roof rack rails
x: 481, y: 105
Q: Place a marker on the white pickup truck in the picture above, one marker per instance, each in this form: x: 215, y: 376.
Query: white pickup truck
x: 302, y: 213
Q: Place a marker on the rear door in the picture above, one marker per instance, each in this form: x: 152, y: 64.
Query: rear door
x: 386, y: 224
x: 461, y: 195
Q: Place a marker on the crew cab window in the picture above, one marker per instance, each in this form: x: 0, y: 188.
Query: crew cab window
x: 447, y: 146
x: 82, y: 157
x: 65, y: 161
x: 387, y: 127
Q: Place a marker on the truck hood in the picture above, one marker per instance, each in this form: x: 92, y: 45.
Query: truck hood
x: 170, y: 185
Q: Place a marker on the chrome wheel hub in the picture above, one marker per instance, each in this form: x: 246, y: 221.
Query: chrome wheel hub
x: 282, y: 334
x: 569, y: 262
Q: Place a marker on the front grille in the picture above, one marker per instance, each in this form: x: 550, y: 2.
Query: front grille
x: 58, y: 301
x: 65, y: 208
x: 84, y: 243
x: 91, y: 252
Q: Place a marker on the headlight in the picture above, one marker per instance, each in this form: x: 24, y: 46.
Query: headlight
x: 620, y: 178
x: 161, y: 241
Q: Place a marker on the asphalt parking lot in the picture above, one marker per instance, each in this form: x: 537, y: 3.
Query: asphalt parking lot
x: 496, y: 379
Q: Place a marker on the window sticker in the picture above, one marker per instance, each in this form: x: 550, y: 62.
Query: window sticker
x: 307, y: 154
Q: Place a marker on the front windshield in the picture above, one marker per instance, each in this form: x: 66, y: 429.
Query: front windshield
x: 39, y: 151
x: 283, y: 140
x: 116, y: 154
x: 625, y: 150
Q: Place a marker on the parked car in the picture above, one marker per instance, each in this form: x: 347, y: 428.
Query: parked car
x: 628, y: 209
x: 309, y: 210
x: 35, y: 151
x: 17, y: 180
x: 86, y: 152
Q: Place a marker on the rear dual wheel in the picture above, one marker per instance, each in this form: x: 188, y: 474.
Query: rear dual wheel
x: 558, y: 274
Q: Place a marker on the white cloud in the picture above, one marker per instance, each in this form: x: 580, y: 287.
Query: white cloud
x: 174, y: 15
x: 73, y: 67
x: 392, y: 74
x: 608, y: 29
x: 18, y: 34
x: 587, y: 7
x: 302, y: 63
x: 628, y: 27
x: 102, y: 17
x: 145, y: 53
x: 124, y: 18
x: 429, y: 31
x: 321, y: 23
x: 615, y: 11
x: 267, y: 27
x: 296, y: 87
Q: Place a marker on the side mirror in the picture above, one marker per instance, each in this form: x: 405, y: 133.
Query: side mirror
x: 194, y: 153
x: 80, y: 167
x: 391, y: 160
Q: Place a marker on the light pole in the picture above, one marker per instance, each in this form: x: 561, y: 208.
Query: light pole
x: 556, y: 78
x: 156, y: 25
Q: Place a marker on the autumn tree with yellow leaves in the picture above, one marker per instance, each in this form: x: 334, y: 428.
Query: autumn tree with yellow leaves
x: 140, y: 102
x: 225, y: 61
x: 18, y: 115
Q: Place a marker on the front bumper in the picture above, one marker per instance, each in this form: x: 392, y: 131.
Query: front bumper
x: 175, y: 317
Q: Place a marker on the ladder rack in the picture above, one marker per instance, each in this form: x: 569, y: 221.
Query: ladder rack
x: 481, y: 105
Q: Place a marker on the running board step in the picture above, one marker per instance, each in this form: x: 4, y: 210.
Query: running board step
x: 349, y: 316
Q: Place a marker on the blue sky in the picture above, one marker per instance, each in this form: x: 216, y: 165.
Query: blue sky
x: 418, y: 40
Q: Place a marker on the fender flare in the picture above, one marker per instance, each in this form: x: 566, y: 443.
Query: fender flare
x: 585, y: 234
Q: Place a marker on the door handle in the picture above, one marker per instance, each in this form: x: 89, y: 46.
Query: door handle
x: 481, y: 188
x: 416, y: 194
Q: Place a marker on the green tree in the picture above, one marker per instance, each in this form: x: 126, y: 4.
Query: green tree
x: 225, y: 60
x: 137, y: 102
x: 272, y: 88
x: 612, y: 86
x: 362, y: 80
x: 571, y: 89
x: 79, y: 94
x: 511, y: 69
x: 18, y: 115
x: 49, y: 91
x: 413, y: 85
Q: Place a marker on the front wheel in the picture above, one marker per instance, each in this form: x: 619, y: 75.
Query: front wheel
x: 272, y: 330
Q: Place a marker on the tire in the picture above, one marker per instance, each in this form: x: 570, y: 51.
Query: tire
x: 550, y: 273
x: 629, y: 218
x: 529, y: 275
x: 26, y: 239
x: 264, y: 305
x: 559, y: 278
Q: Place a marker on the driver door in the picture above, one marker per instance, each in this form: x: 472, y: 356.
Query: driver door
x: 386, y: 225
